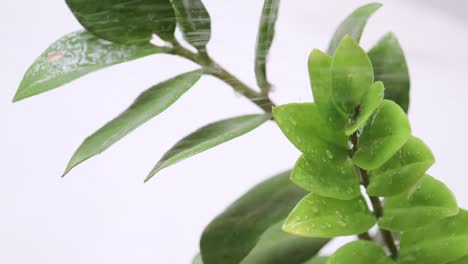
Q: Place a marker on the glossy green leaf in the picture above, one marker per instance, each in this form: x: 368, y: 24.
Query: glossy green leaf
x: 208, y: 137
x: 320, y: 80
x: 317, y: 216
x: 441, y: 242
x: 73, y: 56
x: 317, y: 260
x: 232, y: 235
x: 382, y: 136
x: 402, y: 171
x: 303, y: 126
x: 266, y: 33
x: 278, y: 247
x: 390, y: 67
x: 124, y: 21
x: 429, y: 201
x: 463, y: 260
x: 360, y: 252
x: 371, y: 102
x: 327, y: 172
x: 352, y: 75
x: 149, y: 104
x: 194, y: 21
x: 197, y: 259
x: 353, y: 25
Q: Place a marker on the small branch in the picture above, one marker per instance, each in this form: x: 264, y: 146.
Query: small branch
x: 214, y: 69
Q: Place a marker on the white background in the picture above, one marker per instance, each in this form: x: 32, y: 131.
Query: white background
x: 103, y: 213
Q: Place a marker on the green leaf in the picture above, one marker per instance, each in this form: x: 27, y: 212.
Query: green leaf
x: 317, y: 260
x: 194, y: 21
x: 382, y: 136
x: 320, y: 80
x: 124, y: 21
x: 429, y: 201
x: 353, y: 25
x: 197, y: 259
x: 232, y: 235
x: 303, y: 126
x: 266, y: 33
x: 360, y: 252
x: 149, y: 104
x: 208, y: 137
x: 402, y: 171
x: 390, y: 67
x: 371, y: 102
x: 327, y: 172
x: 278, y: 247
x: 73, y: 56
x: 463, y: 260
x: 441, y: 242
x: 352, y: 75
x: 316, y: 216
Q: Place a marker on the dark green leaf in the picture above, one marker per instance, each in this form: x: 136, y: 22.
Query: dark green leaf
x: 360, y: 252
x: 208, y: 137
x: 327, y: 172
x: 402, y: 171
x: 124, y: 21
x: 317, y: 260
x: 149, y: 104
x: 382, y: 136
x: 303, y: 126
x: 429, y: 201
x: 320, y: 80
x: 194, y: 22
x: 73, y: 56
x: 316, y: 216
x: 441, y: 242
x: 353, y: 25
x: 390, y: 67
x: 278, y: 247
x: 352, y: 75
x: 371, y: 102
x: 233, y: 234
x: 266, y: 33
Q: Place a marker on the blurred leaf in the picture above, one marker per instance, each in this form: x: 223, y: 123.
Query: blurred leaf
x: 463, y: 260
x: 194, y: 22
x: 73, y: 56
x: 317, y: 260
x: 327, y: 172
x: 320, y: 80
x: 360, y: 252
x: 208, y: 137
x: 278, y: 247
x: 303, y: 126
x: 352, y: 75
x: 124, y: 21
x: 316, y: 216
x: 266, y: 33
x: 382, y: 136
x: 441, y: 242
x: 353, y: 25
x: 370, y: 103
x: 402, y: 171
x: 197, y: 259
x: 390, y: 67
x: 428, y: 202
x: 149, y: 104
x: 232, y: 235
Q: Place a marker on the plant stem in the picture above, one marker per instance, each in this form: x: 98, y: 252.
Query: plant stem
x: 214, y: 69
x: 375, y: 201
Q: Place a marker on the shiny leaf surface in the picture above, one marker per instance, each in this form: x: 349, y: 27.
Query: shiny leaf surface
x: 382, y: 136
x: 194, y: 21
x: 316, y: 216
x: 149, y: 104
x: 124, y: 21
x: 360, y: 252
x: 208, y: 137
x: 73, y: 56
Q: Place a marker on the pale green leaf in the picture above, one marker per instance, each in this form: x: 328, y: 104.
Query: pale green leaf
x: 360, y: 252
x: 194, y: 21
x: 73, y: 56
x: 149, y: 104
x: 317, y: 216
x: 197, y: 259
x: 463, y: 260
x: 208, y: 137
